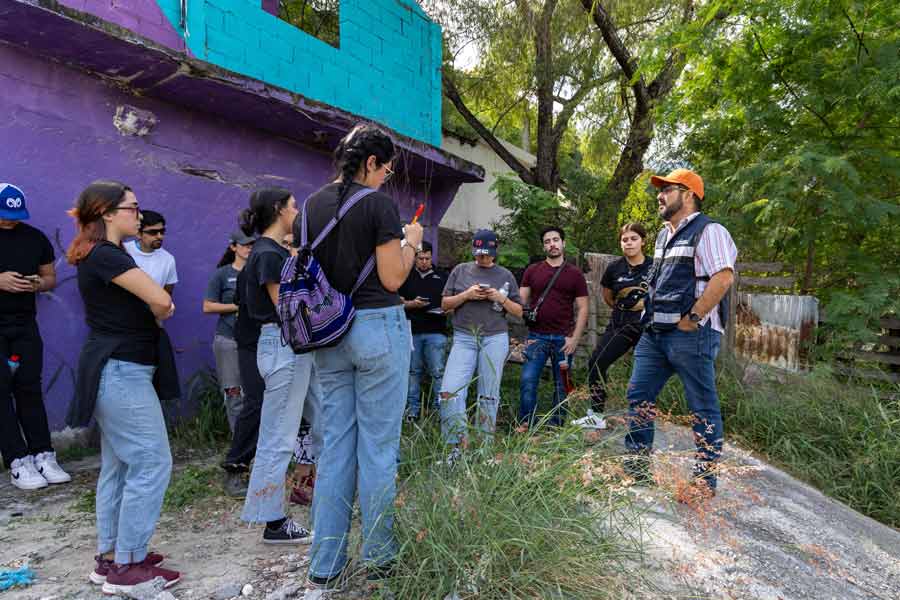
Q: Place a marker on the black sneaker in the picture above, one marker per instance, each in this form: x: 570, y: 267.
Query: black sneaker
x: 290, y: 532
x: 323, y: 587
x: 637, y: 466
x: 234, y: 484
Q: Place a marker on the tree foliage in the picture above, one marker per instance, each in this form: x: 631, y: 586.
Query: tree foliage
x: 791, y: 115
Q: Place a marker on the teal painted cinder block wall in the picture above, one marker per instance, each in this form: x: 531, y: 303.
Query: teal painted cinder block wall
x: 387, y: 67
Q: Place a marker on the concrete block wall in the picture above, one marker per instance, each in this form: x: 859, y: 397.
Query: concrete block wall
x: 387, y: 67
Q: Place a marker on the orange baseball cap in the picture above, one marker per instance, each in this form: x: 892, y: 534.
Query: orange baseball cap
x: 684, y: 177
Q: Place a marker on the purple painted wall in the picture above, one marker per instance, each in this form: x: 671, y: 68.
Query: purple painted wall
x: 141, y: 16
x: 59, y: 135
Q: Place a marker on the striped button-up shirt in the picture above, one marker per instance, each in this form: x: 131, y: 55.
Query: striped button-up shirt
x: 715, y: 252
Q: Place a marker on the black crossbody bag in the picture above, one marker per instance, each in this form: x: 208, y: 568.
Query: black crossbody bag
x: 530, y: 313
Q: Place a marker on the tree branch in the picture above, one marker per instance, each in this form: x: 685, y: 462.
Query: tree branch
x: 506, y: 110
x: 607, y: 28
x: 452, y: 94
x: 790, y: 88
x: 572, y: 104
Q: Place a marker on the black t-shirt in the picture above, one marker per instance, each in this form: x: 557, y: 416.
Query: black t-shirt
x: 23, y: 249
x: 430, y: 285
x: 113, y: 311
x: 623, y: 280
x: 263, y: 266
x: 344, y: 252
x: 246, y: 330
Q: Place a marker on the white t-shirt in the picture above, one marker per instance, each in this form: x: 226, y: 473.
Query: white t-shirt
x: 159, y: 264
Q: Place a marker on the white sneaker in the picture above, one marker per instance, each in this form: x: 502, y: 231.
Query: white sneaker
x: 590, y: 421
x: 46, y: 465
x: 24, y: 476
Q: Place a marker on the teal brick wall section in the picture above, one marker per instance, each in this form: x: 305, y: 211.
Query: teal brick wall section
x: 387, y: 67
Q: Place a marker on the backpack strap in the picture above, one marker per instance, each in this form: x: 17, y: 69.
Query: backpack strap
x: 343, y: 210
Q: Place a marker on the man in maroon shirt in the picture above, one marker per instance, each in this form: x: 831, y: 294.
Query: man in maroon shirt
x: 555, y: 332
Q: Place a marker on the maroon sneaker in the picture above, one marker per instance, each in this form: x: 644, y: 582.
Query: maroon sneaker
x: 98, y: 575
x: 303, y: 491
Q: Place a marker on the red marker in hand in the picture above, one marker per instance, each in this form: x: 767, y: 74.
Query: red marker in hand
x: 419, y: 212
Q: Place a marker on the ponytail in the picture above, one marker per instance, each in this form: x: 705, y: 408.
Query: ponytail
x: 263, y: 209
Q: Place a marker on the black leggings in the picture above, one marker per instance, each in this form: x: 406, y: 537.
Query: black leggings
x: 246, y: 426
x: 616, y: 341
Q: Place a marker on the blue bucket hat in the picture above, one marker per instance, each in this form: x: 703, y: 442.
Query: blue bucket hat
x: 12, y: 203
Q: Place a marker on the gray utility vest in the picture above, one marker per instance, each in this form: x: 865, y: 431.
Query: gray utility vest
x: 674, y: 280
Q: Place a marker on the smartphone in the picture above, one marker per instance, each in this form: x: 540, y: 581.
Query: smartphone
x: 423, y: 299
x: 484, y: 286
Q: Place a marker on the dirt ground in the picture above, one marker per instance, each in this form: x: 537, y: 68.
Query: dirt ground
x: 765, y: 536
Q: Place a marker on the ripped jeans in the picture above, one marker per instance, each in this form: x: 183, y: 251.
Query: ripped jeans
x: 487, y: 354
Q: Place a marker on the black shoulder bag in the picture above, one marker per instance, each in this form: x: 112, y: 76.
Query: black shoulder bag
x: 530, y: 313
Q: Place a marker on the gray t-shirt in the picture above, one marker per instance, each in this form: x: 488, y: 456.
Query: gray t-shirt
x: 221, y: 289
x: 477, y: 317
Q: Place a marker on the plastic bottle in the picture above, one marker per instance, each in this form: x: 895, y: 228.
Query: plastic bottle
x: 566, y: 377
x: 498, y: 306
x: 13, y: 362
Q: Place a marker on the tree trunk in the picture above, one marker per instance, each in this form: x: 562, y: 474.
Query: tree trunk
x: 631, y: 160
x: 546, y: 173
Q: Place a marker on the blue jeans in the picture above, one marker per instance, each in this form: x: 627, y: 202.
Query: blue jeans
x: 363, y: 381
x: 487, y: 354
x: 289, y: 384
x: 135, y: 461
x: 541, y: 346
x: 692, y: 357
x: 428, y: 354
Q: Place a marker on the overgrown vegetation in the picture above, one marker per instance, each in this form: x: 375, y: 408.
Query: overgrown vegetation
x: 191, y: 484
x: 514, y: 519
x: 208, y: 426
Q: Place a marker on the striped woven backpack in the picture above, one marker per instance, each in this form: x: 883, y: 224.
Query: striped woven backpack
x: 313, y: 314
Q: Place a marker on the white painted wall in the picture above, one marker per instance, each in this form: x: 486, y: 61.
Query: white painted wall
x: 475, y: 206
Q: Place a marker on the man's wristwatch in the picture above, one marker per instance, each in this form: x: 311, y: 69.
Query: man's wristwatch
x: 403, y: 242
x: 694, y: 317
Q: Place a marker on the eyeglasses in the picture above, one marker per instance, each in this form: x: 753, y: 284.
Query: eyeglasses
x: 154, y: 232
x: 135, y: 208
x: 670, y: 187
x: 387, y: 173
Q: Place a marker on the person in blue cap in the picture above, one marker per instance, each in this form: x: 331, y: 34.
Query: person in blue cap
x: 479, y: 293
x: 26, y: 268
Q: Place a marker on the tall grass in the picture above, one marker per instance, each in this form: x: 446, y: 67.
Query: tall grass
x: 207, y: 427
x: 513, y: 519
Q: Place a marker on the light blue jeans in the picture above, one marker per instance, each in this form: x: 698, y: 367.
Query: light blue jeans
x: 364, y: 381
x: 135, y: 461
x: 290, y: 383
x: 427, y: 356
x: 487, y: 354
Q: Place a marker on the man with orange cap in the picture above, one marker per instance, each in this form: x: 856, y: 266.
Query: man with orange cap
x: 684, y: 319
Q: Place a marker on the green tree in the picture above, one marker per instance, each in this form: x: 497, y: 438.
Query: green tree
x: 790, y: 113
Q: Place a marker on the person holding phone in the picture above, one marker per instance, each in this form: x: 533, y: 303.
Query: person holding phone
x: 363, y: 376
x: 480, y: 340
x: 421, y: 295
x: 26, y: 268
